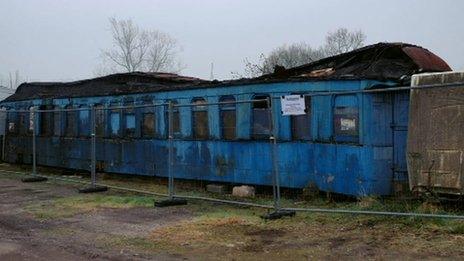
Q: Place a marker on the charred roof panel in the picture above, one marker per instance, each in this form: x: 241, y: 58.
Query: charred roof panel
x: 382, y: 61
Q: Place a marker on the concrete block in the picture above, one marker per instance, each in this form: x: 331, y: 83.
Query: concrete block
x: 216, y: 188
x: 243, y: 191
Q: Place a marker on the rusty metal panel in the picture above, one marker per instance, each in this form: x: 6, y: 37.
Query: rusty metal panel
x: 426, y: 60
x: 435, y: 140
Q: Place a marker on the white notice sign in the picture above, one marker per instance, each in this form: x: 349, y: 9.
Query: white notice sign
x: 347, y: 124
x: 293, y: 104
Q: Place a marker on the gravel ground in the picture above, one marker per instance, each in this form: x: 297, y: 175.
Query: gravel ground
x: 80, y: 237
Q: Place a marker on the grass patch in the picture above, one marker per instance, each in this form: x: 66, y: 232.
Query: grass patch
x: 73, y: 205
x: 70, y: 206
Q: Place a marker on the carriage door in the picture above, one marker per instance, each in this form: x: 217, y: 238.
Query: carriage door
x: 399, y: 127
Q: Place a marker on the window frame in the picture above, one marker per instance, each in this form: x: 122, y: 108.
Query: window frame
x: 129, y: 113
x: 307, y: 119
x: 57, y: 121
x: 177, y: 127
x: 227, y: 108
x: 22, y: 123
x: 254, y: 134
x: 70, y: 131
x: 338, y: 135
x: 117, y: 112
x: 47, y: 121
x: 146, y: 111
x: 84, y: 125
x: 12, y: 119
x: 100, y: 120
x: 200, y: 110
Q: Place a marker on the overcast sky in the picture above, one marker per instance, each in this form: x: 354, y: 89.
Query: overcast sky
x: 61, y: 40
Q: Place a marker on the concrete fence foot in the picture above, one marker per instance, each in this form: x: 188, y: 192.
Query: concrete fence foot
x: 170, y: 202
x: 93, y: 189
x: 278, y: 214
x: 34, y: 179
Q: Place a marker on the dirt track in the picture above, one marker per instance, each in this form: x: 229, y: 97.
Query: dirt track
x: 23, y: 237
x: 47, y: 221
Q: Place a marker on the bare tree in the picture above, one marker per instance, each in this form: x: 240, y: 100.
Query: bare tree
x: 252, y: 69
x: 342, y: 41
x: 12, y: 81
x: 293, y: 55
x: 136, y: 49
x: 286, y: 55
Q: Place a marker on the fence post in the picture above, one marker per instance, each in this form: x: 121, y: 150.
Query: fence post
x: 275, y: 169
x: 171, y: 201
x: 3, y: 146
x: 170, y: 156
x: 93, y: 161
x: 3, y: 130
x: 35, y: 177
x: 34, y: 140
x: 278, y: 212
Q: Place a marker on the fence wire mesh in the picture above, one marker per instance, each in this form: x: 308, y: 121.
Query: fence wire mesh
x: 205, y: 150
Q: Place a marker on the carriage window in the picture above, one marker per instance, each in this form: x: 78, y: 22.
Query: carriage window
x: 261, y: 118
x: 84, y: 121
x: 99, y: 120
x: 3, y: 119
x: 301, y: 124
x: 71, y: 120
x: 12, y: 122
x: 200, y: 119
x: 46, y: 120
x: 129, y: 119
x: 114, y: 120
x: 148, y: 121
x: 57, y: 121
x: 175, y: 119
x: 227, y: 118
x: 346, y: 118
x: 22, y: 125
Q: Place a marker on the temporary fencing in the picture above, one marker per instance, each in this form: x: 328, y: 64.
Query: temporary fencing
x: 216, y: 148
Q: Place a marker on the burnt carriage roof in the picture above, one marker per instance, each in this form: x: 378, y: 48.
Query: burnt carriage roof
x: 382, y: 61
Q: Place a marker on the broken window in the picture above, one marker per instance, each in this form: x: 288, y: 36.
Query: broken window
x: 71, y: 120
x: 301, y: 124
x: 12, y: 122
x: 129, y: 118
x: 84, y: 121
x: 148, y: 120
x: 46, y: 120
x: 261, y: 118
x: 227, y: 118
x: 22, y: 123
x: 346, y: 118
x: 99, y: 120
x: 3, y: 120
x: 175, y: 119
x: 115, y: 119
x: 200, y: 119
x: 57, y: 121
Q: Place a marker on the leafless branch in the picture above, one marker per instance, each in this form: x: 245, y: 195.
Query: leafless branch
x: 135, y: 49
x: 293, y: 55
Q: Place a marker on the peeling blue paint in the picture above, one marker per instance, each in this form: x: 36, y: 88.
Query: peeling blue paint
x: 361, y: 166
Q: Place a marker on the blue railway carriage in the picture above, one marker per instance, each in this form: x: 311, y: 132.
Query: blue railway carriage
x: 349, y: 141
